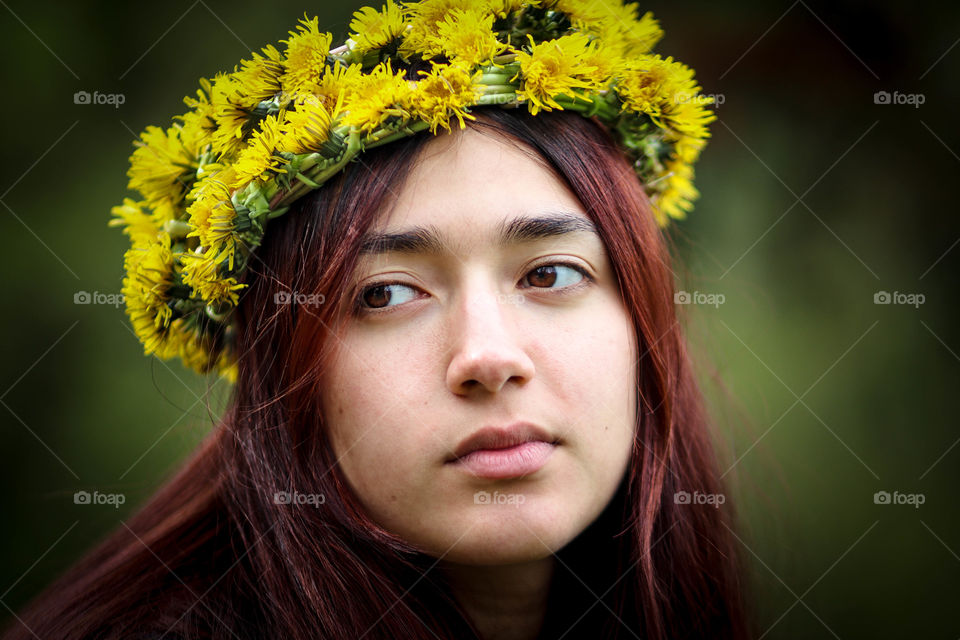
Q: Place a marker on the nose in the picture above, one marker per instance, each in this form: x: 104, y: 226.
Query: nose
x: 486, y: 350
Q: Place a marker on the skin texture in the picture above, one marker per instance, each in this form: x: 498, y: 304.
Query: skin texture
x: 475, y: 336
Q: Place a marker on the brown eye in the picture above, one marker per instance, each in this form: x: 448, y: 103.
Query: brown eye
x: 379, y: 296
x: 548, y: 275
x: 543, y: 276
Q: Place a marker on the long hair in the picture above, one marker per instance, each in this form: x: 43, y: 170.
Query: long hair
x: 214, y: 554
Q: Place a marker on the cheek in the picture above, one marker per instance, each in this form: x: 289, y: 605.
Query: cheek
x: 373, y: 409
x: 590, y: 359
x: 590, y: 366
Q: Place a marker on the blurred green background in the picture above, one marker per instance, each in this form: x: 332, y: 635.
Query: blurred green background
x: 816, y: 196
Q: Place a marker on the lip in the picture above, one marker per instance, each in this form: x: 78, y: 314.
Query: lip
x: 518, y: 449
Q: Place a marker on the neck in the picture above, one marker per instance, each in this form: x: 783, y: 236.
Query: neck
x: 504, y: 602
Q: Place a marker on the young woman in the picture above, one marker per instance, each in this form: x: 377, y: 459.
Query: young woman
x: 463, y: 408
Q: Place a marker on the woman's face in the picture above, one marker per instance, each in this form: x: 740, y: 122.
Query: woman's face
x: 525, y: 338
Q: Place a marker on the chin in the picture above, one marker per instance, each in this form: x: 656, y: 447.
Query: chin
x: 507, y: 535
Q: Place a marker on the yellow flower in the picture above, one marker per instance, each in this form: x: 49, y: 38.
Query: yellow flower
x: 675, y: 196
x: 584, y: 14
x: 258, y: 156
x: 615, y: 23
x: 307, y: 126
x: 667, y: 92
x: 425, y: 15
x: 230, y: 114
x: 306, y: 57
x: 149, y: 269
x: 195, y: 350
x: 372, y: 29
x: 376, y: 96
x: 198, y: 123
x: 259, y: 79
x: 503, y: 8
x: 446, y: 91
x: 212, y: 216
x: 637, y: 36
x: 687, y: 149
x: 466, y: 35
x: 556, y: 67
x: 690, y: 117
x: 200, y: 272
x: 139, y: 226
x: 163, y: 166
x: 333, y: 86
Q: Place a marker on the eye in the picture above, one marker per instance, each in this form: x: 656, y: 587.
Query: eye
x: 380, y: 295
x: 548, y: 275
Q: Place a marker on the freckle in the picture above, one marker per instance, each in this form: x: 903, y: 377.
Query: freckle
x: 393, y: 498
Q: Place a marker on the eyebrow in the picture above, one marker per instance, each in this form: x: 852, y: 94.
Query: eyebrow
x: 429, y: 240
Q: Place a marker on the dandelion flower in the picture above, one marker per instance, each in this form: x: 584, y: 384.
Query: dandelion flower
x: 200, y: 271
x: 258, y: 156
x: 372, y: 29
x: 556, y: 67
x: 163, y: 167
x: 306, y: 127
x: 306, y: 57
x: 149, y: 270
x: 137, y: 225
x: 260, y: 78
x: 503, y: 8
x: 231, y: 115
x: 213, y: 216
x: 376, y: 96
x: 675, y: 198
x: 446, y: 91
x: 467, y: 36
x: 667, y: 92
x: 420, y: 38
x: 615, y: 23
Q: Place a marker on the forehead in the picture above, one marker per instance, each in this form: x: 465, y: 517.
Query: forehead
x: 473, y: 183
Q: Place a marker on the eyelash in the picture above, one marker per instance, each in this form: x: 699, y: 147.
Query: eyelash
x: 359, y: 309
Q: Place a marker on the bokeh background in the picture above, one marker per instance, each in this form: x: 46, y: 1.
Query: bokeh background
x: 818, y: 195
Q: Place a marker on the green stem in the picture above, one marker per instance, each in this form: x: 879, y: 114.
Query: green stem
x: 499, y: 88
x: 597, y: 107
x: 307, y: 181
x: 407, y: 131
x: 320, y: 175
x: 506, y: 58
x: 495, y: 78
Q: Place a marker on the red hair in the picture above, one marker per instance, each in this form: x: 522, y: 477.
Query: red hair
x: 212, y: 555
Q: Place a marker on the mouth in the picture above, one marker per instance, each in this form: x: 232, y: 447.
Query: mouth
x: 516, y: 450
